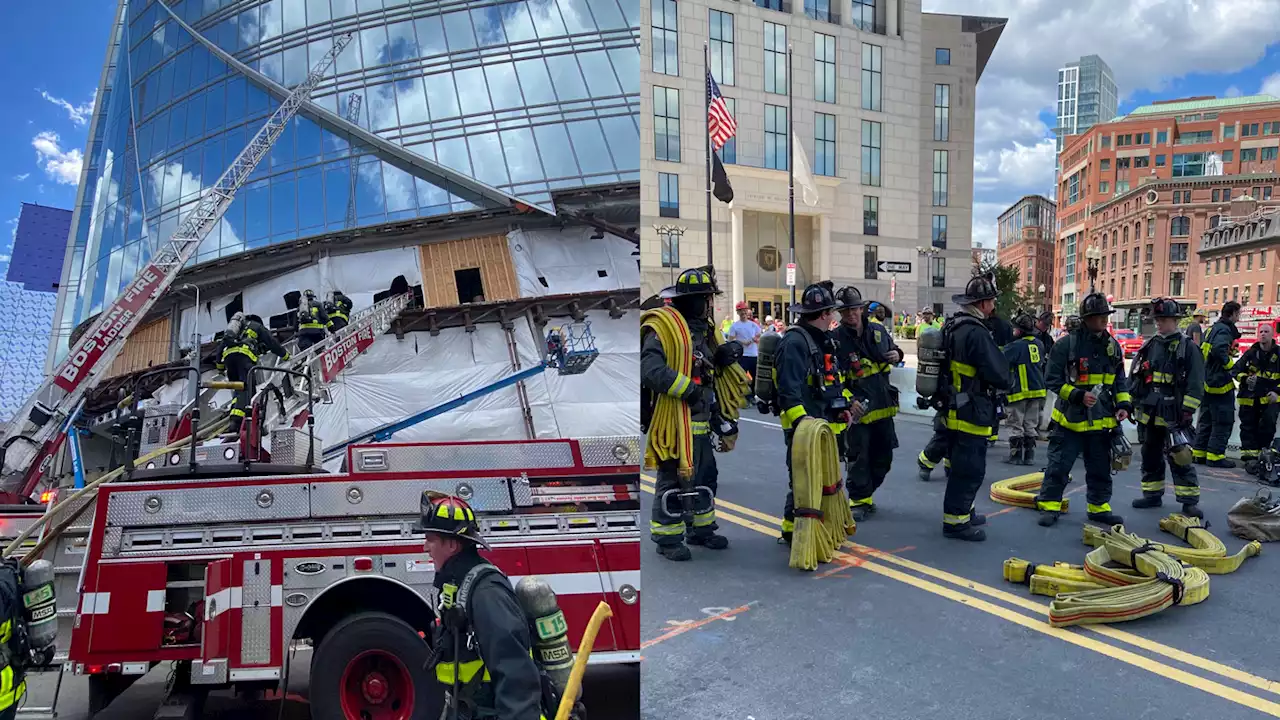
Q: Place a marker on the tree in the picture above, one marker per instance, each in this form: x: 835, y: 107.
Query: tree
x: 1011, y: 296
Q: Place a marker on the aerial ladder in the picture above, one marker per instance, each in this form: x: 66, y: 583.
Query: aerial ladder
x: 40, y: 428
x: 353, y: 117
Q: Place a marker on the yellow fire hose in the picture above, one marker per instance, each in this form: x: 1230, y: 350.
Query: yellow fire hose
x: 603, y: 612
x: 823, y: 518
x: 1021, y: 491
x: 1207, y: 552
x: 731, y: 385
x: 670, y: 429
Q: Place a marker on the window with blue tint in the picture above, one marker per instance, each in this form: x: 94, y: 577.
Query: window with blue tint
x: 775, y: 58
x: 721, y: 45
x: 473, y: 94
x: 577, y: 15
x: 626, y: 65
x: 942, y: 56
x: 442, y: 96
x: 871, y: 138
x: 516, y: 23
x: 257, y: 198
x: 338, y: 193
x: 664, y: 25
x: 775, y: 137
x: 556, y: 151
x: 536, y: 82
x: 824, y: 68
x: 872, y: 76
x: 284, y: 206
x: 566, y: 77
x: 370, y: 205
x: 453, y: 153
x: 488, y: 26
x: 668, y: 195
x: 1188, y: 164
x: 729, y: 151
x: 522, y: 155
x: 824, y: 142
x: 601, y: 81
x: 666, y: 123
x: 592, y: 149
x: 458, y: 31
x: 411, y: 99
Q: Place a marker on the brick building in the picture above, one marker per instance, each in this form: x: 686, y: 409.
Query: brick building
x: 1025, y: 235
x: 1188, y: 148
x: 1240, y: 256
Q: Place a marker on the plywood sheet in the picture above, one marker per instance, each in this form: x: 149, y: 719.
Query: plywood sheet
x: 488, y: 253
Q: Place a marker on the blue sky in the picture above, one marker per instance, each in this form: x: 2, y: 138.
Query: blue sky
x: 53, y: 53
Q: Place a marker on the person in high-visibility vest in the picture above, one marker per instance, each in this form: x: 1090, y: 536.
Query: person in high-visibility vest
x: 927, y: 320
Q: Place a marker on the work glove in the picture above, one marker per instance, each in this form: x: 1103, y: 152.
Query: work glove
x: 727, y: 354
x: 287, y: 356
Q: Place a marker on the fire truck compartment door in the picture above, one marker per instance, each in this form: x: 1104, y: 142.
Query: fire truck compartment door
x: 215, y: 639
x: 124, y: 611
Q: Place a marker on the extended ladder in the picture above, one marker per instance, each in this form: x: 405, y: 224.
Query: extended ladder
x: 41, y: 421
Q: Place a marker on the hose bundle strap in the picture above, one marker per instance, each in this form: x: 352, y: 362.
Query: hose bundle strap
x: 1207, y: 552
x: 1179, y: 587
x: 671, y: 430
x: 823, y: 520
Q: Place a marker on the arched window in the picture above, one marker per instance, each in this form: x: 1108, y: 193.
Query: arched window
x: 1114, y: 238
x: 1214, y: 220
x: 1180, y: 226
x: 1126, y: 234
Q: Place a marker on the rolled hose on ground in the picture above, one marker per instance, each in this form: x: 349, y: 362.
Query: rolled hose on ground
x: 670, y: 429
x: 1207, y: 552
x: 1021, y: 491
x: 823, y: 518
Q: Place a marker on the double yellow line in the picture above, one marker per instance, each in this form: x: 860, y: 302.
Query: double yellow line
x: 1080, y: 636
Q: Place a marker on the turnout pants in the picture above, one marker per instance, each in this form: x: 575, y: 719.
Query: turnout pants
x: 668, y: 530
x: 968, y: 455
x: 1257, y: 427
x: 869, y: 449
x: 1185, y: 487
x: 1217, y: 418
x: 309, y: 336
x: 336, y: 324
x: 1064, y: 447
x: 1022, y: 418
x: 237, y: 366
x: 935, y: 451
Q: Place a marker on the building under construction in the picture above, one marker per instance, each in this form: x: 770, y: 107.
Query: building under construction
x: 501, y: 195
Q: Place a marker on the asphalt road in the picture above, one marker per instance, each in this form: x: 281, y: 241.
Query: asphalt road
x: 609, y: 692
x: 927, y: 626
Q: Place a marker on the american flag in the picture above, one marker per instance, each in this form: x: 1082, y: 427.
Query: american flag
x: 720, y: 123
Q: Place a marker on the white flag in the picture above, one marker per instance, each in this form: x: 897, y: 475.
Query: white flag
x: 802, y: 175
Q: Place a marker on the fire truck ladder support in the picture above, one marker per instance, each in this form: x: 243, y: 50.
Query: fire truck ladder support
x: 41, y: 419
x: 570, y: 351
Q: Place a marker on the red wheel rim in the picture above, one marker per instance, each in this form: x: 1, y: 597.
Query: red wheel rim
x: 376, y: 686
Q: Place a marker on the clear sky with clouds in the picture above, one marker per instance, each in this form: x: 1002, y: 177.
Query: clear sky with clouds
x: 1158, y: 49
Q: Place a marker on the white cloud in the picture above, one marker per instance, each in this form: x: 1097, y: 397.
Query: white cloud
x: 14, y: 232
x: 22, y: 177
x: 1271, y: 86
x: 1233, y: 91
x: 79, y: 113
x: 60, y: 165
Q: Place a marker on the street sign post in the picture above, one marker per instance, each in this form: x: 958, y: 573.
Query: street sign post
x: 791, y: 274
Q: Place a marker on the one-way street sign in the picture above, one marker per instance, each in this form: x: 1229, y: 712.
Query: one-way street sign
x: 893, y: 267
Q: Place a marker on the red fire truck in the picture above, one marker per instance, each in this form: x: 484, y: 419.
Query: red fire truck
x: 223, y: 573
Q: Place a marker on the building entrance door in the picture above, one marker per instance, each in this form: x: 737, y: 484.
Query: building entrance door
x: 768, y: 302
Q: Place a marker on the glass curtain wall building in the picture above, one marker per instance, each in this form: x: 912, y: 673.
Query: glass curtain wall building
x: 520, y: 99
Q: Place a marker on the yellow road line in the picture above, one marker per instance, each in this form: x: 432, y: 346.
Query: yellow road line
x: 1115, y: 634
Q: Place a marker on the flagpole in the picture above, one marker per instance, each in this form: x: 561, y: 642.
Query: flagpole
x: 706, y: 66
x: 791, y: 166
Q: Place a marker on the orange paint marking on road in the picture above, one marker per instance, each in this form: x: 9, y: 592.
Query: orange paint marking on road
x: 694, y: 625
x: 858, y: 560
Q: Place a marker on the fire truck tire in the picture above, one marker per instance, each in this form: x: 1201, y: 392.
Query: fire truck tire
x: 104, y: 689
x: 373, y: 663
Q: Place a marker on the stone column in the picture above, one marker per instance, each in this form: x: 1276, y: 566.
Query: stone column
x: 824, y: 247
x: 735, y: 252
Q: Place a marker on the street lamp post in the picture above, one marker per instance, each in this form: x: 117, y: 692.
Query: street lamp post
x: 1042, y: 289
x: 672, y: 233
x: 1093, y: 258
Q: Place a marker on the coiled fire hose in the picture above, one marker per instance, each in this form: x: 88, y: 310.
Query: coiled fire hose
x: 670, y: 429
x: 1207, y: 552
x: 1021, y: 491
x: 823, y: 518
x: 731, y: 384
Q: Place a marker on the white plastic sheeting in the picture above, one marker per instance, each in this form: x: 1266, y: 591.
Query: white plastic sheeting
x: 397, y: 378
x: 571, y: 262
x: 359, y: 276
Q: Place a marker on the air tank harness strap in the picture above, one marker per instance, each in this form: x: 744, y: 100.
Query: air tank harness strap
x: 671, y: 429
x: 823, y: 518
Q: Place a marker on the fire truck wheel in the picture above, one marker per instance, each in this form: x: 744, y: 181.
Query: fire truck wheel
x: 372, y: 666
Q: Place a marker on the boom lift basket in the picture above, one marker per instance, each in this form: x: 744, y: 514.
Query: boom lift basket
x: 571, y: 348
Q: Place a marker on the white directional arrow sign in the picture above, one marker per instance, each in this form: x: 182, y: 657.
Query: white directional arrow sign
x: 890, y: 266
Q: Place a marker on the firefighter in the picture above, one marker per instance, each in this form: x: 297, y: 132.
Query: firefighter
x: 1043, y: 325
x: 1166, y: 382
x: 242, y: 343
x: 977, y: 370
x: 1002, y: 333
x: 867, y: 353
x: 1218, y: 412
x: 1026, y: 389
x: 482, y: 649
x: 1259, y: 373
x: 935, y: 451
x: 802, y: 388
x: 12, y: 636
x: 339, y: 311
x: 1086, y: 361
x: 1195, y: 330
x: 312, y: 321
x: 691, y: 297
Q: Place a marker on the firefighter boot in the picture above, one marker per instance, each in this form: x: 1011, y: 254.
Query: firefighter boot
x: 965, y: 532
x: 859, y: 511
x: 1193, y: 511
x: 1047, y: 518
x: 924, y: 471
x: 1148, y: 501
x: 1015, y: 451
x: 1028, y: 450
x: 1223, y: 463
x: 710, y: 541
x: 1107, y: 518
x: 679, y: 553
x: 1251, y: 466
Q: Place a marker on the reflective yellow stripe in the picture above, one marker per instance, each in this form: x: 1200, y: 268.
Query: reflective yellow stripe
x: 1065, y: 391
x: 679, y: 385
x: 925, y: 461
x: 1028, y: 394
x: 964, y: 369
x: 880, y: 414
x: 1244, y: 402
x: 1153, y: 486
x: 790, y: 415
x: 1123, y: 397
x: 1050, y: 505
x: 8, y: 693
x: 704, y: 519
x: 1162, y: 377
x: 1185, y: 491
x: 1095, y: 378
x: 237, y: 412
x: 701, y: 428
x: 1191, y: 402
x: 1197, y: 453
x: 311, y: 325
x: 788, y: 526
x: 444, y: 671
x: 1231, y: 362
x: 860, y: 501
x: 1104, y: 423
x: 956, y: 519
x: 964, y: 426
x: 1249, y: 454
x: 658, y: 528
x: 240, y: 349
x: 1220, y: 390
x: 1103, y: 508
x: 1214, y: 456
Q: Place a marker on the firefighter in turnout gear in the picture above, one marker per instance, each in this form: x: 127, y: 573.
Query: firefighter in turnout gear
x: 482, y: 646
x: 867, y: 354
x: 691, y: 297
x: 1043, y: 324
x: 803, y: 387
x: 312, y: 321
x: 1026, y: 390
x: 1002, y: 333
x: 243, y: 342
x: 13, y: 648
x: 1166, y: 381
x: 339, y: 311
x: 974, y: 371
x: 1086, y: 374
x: 1218, y: 412
x: 1258, y: 371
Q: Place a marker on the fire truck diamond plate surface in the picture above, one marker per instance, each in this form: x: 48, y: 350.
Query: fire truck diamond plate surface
x: 607, y: 451
x: 194, y: 505
x: 476, y: 457
x: 402, y: 496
